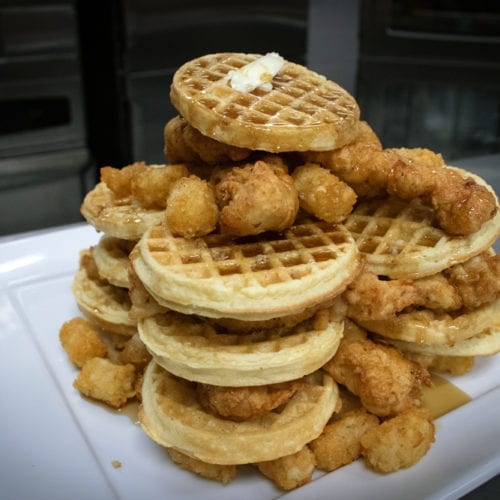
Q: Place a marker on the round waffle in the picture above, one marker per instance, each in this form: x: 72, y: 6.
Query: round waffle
x: 192, y: 349
x: 172, y: 416
x: 275, y: 274
x: 121, y: 218
x: 302, y: 112
x: 111, y: 258
x: 426, y: 326
x: 485, y: 343
x: 401, y: 240
x: 103, y: 304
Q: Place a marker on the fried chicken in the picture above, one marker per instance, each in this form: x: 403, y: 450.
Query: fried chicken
x: 384, y: 380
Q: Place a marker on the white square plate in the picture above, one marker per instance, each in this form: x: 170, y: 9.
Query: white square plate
x: 56, y: 445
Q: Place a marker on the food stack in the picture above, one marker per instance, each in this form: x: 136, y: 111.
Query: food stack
x: 280, y: 226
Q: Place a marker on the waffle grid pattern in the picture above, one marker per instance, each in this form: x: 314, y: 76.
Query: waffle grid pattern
x: 289, y: 256
x: 299, y: 97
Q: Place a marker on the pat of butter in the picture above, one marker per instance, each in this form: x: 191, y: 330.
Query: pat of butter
x: 257, y: 73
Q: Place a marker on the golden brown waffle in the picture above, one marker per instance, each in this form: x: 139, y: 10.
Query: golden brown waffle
x: 401, y: 240
x: 249, y: 279
x: 303, y: 112
x: 192, y: 349
x: 103, y: 304
x: 426, y: 326
x: 111, y: 258
x: 485, y: 343
x: 121, y: 218
x: 172, y: 416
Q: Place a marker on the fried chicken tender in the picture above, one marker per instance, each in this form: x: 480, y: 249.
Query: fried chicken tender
x: 256, y: 198
x: 244, y: 403
x: 221, y: 473
x: 291, y: 471
x: 135, y: 353
x: 191, y: 208
x: 108, y: 382
x: 399, y: 442
x: 119, y: 179
x: 185, y: 144
x: 340, y: 442
x: 322, y: 193
x: 81, y: 341
x: 385, y: 381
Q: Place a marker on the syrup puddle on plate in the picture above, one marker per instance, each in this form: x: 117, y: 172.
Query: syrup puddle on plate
x: 442, y: 396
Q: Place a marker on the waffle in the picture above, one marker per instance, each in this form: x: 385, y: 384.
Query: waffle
x: 172, y: 416
x: 485, y: 343
x: 303, y: 112
x: 192, y: 349
x: 121, y: 218
x: 105, y: 305
x: 401, y: 240
x: 426, y: 326
x: 275, y: 274
x: 111, y: 258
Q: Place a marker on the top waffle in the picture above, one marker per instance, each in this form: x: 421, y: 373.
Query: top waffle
x: 249, y: 279
x: 302, y: 112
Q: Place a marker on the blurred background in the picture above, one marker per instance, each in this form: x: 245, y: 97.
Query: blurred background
x: 85, y: 84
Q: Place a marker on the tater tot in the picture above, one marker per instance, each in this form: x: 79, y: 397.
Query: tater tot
x: 191, y: 208
x: 119, y: 179
x: 291, y: 471
x: 107, y: 382
x: 221, y: 473
x: 399, y: 442
x: 340, y: 442
x: 152, y: 185
x: 81, y: 341
x: 322, y: 193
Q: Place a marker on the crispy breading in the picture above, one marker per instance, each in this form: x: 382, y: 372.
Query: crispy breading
x: 399, y: 442
x: 221, y: 473
x: 256, y: 198
x: 322, y: 193
x: 143, y: 304
x: 340, y: 442
x: 191, y: 208
x: 385, y: 381
x: 185, y: 144
x: 454, y: 365
x: 134, y: 352
x: 108, y: 382
x: 244, y: 403
x: 81, y: 341
x: 119, y: 179
x: 291, y: 471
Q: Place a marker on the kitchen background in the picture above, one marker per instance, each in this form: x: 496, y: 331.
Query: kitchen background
x: 85, y: 84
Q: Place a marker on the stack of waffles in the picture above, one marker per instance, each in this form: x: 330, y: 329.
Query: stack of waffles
x: 264, y: 310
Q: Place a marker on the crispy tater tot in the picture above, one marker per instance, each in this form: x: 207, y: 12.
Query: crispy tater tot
x: 152, y: 186
x: 81, y: 341
x: 106, y: 381
x: 256, y: 198
x: 291, y: 471
x: 221, y: 473
x: 243, y: 403
x: 191, y: 208
x: 398, y: 442
x: 385, y: 381
x: 119, y: 179
x: 340, y: 442
x: 322, y: 193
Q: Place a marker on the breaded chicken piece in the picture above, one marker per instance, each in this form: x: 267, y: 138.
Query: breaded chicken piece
x: 221, y: 473
x: 142, y: 303
x: 340, y: 442
x: 135, y: 353
x: 244, y: 403
x: 322, y: 193
x: 256, y: 198
x: 385, y: 381
x: 191, y: 208
x: 399, y: 442
x: 107, y: 382
x: 291, y: 471
x: 119, y: 180
x: 81, y: 341
x: 184, y: 144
